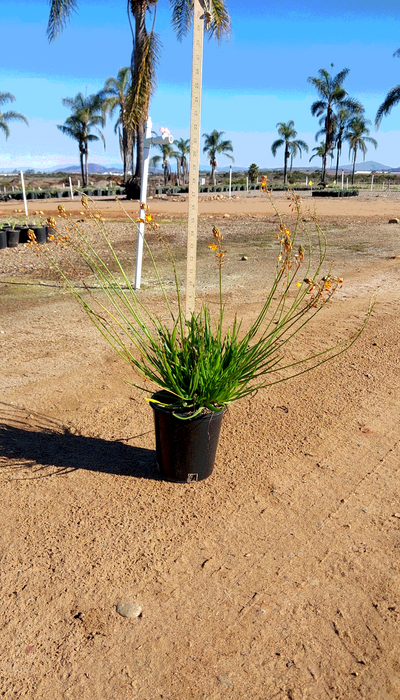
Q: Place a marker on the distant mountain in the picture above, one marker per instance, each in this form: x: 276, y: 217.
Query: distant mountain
x: 368, y: 165
x: 94, y: 168
x: 225, y: 168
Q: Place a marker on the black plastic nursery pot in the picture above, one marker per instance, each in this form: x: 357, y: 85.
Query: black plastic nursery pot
x: 23, y: 234
x: 41, y: 234
x: 12, y: 237
x: 185, y: 449
x: 3, y: 239
x: 39, y: 231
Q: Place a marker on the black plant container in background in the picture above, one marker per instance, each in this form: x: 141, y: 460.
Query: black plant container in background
x: 185, y: 449
x: 41, y: 234
x: 23, y: 234
x: 12, y: 237
x: 39, y: 231
x: 3, y: 239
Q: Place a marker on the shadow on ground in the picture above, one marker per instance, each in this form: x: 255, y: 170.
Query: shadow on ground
x: 38, y: 443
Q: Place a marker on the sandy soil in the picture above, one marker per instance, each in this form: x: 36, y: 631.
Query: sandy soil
x: 276, y: 578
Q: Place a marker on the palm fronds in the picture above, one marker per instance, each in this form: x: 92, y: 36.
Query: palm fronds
x: 60, y: 12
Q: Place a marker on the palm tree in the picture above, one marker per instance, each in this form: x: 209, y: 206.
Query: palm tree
x: 296, y: 148
x: 146, y: 49
x: 358, y: 136
x: 214, y: 145
x: 10, y: 116
x: 342, y: 119
x: 392, y: 99
x: 288, y: 134
x: 253, y: 172
x: 115, y: 95
x: 320, y: 152
x: 86, y: 114
x: 332, y: 94
x: 154, y: 161
x: 183, y: 149
x: 167, y: 151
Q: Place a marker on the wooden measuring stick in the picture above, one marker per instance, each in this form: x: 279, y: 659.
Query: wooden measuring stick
x: 195, y: 114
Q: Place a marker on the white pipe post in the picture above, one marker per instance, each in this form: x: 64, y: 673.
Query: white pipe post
x: 372, y: 181
x: 79, y: 184
x: 342, y: 179
x: 306, y: 180
x: 70, y: 188
x: 230, y: 180
x: 142, y: 208
x: 23, y: 193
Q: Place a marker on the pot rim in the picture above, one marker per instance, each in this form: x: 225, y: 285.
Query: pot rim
x: 184, y: 413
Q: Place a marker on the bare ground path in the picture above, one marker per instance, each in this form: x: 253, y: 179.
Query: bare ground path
x: 278, y: 577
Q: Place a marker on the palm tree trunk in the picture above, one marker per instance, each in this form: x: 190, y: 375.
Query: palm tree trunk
x: 354, y: 165
x: 212, y: 171
x: 126, y: 152
x: 86, y: 164
x: 328, y: 142
x: 138, y: 8
x: 323, y: 172
x: 81, y: 161
x: 285, y: 165
x: 338, y: 147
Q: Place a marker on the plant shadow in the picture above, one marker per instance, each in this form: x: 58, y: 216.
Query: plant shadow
x: 34, y: 442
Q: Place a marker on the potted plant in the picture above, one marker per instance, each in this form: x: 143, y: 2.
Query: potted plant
x: 13, y: 232
x: 38, y: 229
x: 200, y: 365
x: 3, y: 234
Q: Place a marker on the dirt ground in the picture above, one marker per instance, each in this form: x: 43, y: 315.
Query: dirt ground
x: 278, y: 578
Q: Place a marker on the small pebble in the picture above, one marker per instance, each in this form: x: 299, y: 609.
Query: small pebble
x: 225, y: 681
x: 127, y: 609
x: 244, y: 257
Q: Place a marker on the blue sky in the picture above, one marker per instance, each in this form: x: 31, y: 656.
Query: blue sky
x: 250, y: 82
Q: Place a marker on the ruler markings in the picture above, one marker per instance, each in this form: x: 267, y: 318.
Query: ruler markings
x: 197, y: 60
